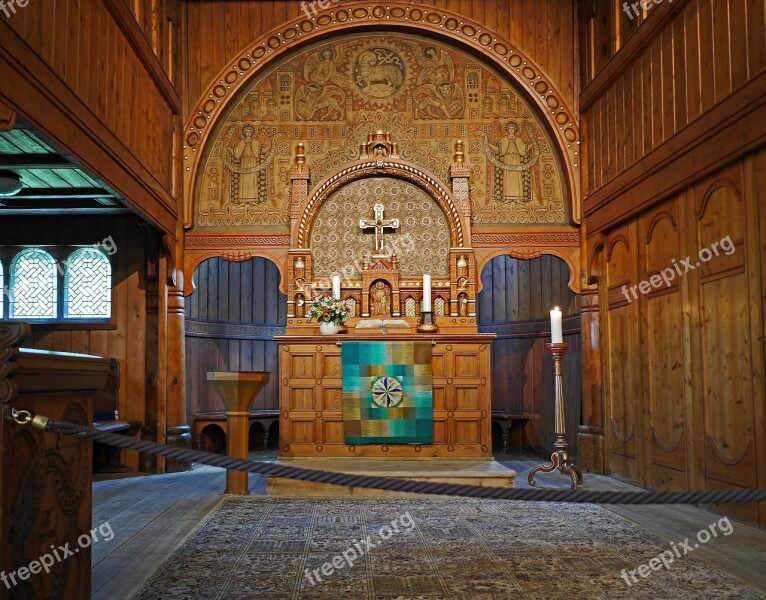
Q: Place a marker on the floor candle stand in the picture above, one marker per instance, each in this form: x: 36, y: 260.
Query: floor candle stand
x: 560, y: 457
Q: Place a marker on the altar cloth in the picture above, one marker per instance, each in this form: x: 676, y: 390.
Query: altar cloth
x: 387, y: 392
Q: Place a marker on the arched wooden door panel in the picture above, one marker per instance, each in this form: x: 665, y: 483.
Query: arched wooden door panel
x: 231, y: 320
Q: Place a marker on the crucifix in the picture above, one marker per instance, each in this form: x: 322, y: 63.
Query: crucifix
x: 379, y: 224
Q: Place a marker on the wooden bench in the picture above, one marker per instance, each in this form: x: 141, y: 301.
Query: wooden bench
x: 512, y: 423
x: 106, y: 459
x: 201, y: 420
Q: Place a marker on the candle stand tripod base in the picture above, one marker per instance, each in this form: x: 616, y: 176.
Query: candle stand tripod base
x: 560, y: 457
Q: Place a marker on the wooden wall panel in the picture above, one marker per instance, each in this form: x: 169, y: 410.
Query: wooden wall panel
x: 545, y: 29
x: 231, y: 319
x: 684, y: 363
x: 125, y: 339
x: 515, y: 304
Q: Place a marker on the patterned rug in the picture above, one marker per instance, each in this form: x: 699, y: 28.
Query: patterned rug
x: 259, y: 547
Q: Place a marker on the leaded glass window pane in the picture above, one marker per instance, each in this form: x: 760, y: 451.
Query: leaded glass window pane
x: 88, y: 285
x: 33, y: 285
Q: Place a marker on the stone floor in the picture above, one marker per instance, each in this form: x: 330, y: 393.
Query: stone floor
x: 151, y: 516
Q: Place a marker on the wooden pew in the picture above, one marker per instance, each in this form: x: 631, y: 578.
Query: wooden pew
x: 106, y: 459
x: 45, y: 497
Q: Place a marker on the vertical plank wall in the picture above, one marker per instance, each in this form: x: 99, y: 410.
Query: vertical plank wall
x: 515, y: 303
x: 231, y: 319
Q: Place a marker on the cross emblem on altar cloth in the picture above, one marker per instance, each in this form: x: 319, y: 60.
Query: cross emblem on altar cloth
x: 379, y: 224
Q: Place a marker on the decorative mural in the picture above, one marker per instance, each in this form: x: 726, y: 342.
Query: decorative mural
x: 421, y: 241
x: 428, y: 95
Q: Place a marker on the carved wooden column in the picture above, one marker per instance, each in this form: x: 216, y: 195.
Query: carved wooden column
x: 460, y: 172
x: 590, y: 433
x: 462, y: 260
x: 177, y: 431
x: 147, y: 462
x: 300, y: 270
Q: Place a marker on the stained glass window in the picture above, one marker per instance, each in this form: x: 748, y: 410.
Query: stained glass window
x: 88, y: 285
x: 33, y: 285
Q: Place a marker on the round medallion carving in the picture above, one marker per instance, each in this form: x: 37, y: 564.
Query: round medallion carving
x: 378, y: 72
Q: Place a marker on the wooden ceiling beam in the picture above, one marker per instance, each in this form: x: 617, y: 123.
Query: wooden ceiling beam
x: 72, y: 193
x: 35, y: 161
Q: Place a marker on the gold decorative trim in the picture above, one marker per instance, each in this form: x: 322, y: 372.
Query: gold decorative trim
x: 558, y: 239
x: 236, y: 241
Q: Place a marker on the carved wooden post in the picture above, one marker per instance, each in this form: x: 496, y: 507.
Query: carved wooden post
x: 299, y: 266
x: 177, y: 431
x: 590, y: 433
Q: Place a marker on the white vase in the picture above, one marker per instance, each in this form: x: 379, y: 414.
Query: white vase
x: 328, y: 328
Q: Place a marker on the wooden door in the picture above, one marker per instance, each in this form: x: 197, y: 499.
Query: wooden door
x: 623, y: 430
x: 727, y: 322
x: 666, y: 392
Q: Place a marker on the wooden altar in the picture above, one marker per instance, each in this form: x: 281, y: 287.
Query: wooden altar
x: 310, y: 397
x: 383, y: 280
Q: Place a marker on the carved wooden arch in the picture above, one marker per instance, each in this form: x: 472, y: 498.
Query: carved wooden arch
x: 722, y: 182
x: 277, y: 257
x: 571, y: 256
x: 453, y: 29
x: 389, y: 167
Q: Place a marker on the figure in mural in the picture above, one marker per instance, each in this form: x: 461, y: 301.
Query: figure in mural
x: 380, y: 300
x: 247, y: 153
x: 514, y: 158
x: 319, y: 98
x: 437, y: 94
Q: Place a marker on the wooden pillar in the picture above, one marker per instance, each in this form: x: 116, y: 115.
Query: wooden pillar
x: 590, y: 433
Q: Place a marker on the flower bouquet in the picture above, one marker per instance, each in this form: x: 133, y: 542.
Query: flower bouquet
x: 329, y: 313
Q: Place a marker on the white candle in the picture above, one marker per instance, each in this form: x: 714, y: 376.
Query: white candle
x: 426, y: 293
x: 557, y: 336
x: 336, y: 286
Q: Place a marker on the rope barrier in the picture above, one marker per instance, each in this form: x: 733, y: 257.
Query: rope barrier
x: 270, y: 469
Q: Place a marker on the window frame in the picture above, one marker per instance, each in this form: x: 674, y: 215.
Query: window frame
x: 60, y: 254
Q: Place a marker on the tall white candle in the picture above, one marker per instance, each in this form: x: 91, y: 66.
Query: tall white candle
x: 426, y: 293
x: 557, y: 336
x: 336, y: 286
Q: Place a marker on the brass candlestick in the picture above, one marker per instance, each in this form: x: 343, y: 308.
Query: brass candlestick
x: 560, y: 457
x: 427, y: 323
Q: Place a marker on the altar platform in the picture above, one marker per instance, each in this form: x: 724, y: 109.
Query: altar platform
x: 465, y: 471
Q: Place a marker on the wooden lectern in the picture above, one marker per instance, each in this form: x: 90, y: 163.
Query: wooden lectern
x: 237, y: 390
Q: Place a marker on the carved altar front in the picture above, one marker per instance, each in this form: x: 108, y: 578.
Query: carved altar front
x: 311, y: 398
